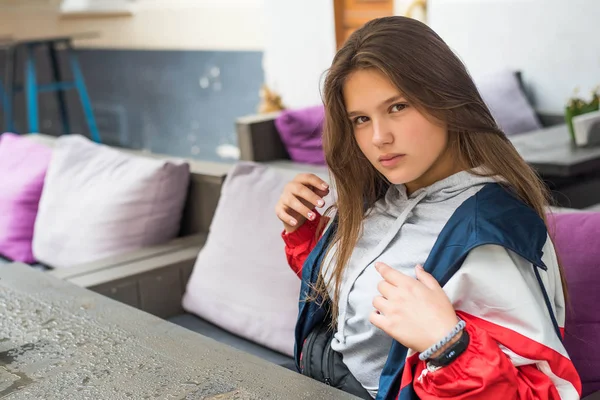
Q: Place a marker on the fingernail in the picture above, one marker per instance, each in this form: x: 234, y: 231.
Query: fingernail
x: 419, y: 266
x: 320, y: 203
x: 293, y: 222
x: 311, y: 216
x: 324, y: 185
x: 377, y: 266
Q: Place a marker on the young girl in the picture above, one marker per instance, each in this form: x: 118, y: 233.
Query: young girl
x: 436, y: 278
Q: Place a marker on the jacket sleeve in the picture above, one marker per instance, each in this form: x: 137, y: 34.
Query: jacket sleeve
x: 300, y: 243
x: 514, y: 351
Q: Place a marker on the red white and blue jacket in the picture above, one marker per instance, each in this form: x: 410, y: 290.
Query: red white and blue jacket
x: 497, y: 264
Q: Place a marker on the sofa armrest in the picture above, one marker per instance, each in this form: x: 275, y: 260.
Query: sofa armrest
x: 259, y: 142
x: 203, y: 197
x: 129, y: 257
x: 593, y: 396
x: 153, y: 280
x: 548, y: 119
x: 258, y: 139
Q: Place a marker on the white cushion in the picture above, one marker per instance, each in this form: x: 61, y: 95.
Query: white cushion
x: 241, y: 280
x: 98, y: 202
x: 507, y: 102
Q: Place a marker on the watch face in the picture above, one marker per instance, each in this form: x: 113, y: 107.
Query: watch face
x: 452, y: 352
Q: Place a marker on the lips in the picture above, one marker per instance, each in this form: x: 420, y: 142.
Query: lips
x: 390, y: 160
x: 388, y: 157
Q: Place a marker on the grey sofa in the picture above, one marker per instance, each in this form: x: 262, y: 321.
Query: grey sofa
x: 194, y: 223
x: 154, y: 279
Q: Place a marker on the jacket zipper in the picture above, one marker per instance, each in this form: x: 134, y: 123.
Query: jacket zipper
x: 327, y: 364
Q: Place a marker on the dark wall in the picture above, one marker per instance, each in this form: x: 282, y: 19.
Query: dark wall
x: 182, y: 103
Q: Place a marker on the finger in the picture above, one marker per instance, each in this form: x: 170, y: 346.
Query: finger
x: 294, y: 214
x: 285, y: 216
x: 388, y: 290
x: 317, y: 186
x: 426, y: 278
x: 313, y: 180
x: 296, y: 205
x: 392, y: 276
x: 309, y: 196
x: 321, y: 193
x: 383, y: 305
x: 380, y: 321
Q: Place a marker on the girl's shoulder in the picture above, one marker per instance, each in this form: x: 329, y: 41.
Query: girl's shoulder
x: 497, y: 206
x: 494, y: 215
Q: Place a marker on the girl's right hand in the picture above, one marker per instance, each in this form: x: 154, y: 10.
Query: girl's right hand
x: 299, y: 199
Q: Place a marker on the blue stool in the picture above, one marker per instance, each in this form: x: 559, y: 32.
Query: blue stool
x: 33, y: 89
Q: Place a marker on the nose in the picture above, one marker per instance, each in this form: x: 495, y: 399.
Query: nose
x: 382, y: 133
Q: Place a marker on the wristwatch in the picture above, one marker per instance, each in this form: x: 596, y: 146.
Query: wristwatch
x: 452, y: 352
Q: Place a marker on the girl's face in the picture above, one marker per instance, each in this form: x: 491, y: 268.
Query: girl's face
x: 400, y: 142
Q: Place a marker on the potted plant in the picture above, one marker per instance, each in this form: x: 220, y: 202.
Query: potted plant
x: 577, y: 106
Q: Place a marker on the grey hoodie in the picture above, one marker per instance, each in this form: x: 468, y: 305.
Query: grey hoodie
x: 400, y: 231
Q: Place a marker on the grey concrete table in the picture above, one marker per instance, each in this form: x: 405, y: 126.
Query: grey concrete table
x: 60, y: 341
x: 572, y: 173
x: 551, y: 153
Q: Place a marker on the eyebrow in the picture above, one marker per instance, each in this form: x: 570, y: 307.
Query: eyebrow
x: 387, y: 102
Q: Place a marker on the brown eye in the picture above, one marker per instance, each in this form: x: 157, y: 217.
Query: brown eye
x: 360, y: 120
x: 398, y: 107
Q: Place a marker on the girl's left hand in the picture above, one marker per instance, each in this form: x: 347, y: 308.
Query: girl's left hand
x: 415, y: 312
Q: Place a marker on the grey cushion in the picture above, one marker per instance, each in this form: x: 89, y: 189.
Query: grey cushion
x: 98, y: 202
x: 503, y: 93
x: 241, y: 281
x: 207, y: 329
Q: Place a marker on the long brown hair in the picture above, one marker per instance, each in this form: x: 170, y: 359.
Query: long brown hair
x: 432, y: 79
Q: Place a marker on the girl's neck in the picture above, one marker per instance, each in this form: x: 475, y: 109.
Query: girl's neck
x: 442, y: 168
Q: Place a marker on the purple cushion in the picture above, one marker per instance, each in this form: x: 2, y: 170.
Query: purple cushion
x: 23, y: 165
x: 577, y: 240
x: 301, y: 131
